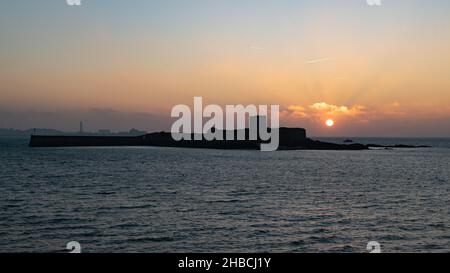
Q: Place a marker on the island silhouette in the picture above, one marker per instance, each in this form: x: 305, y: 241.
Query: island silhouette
x: 289, y: 139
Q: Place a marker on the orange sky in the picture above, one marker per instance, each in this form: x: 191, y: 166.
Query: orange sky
x: 359, y: 65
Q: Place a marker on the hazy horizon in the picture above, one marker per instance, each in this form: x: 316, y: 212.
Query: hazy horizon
x: 116, y: 121
x: 376, y: 71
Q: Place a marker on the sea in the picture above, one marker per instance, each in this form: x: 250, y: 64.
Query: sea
x: 150, y: 199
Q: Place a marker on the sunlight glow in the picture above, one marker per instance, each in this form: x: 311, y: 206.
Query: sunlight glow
x: 329, y: 122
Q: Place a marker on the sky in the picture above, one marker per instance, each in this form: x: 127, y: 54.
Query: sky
x: 376, y: 71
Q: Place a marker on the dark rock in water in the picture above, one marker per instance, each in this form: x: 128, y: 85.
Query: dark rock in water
x: 319, y: 145
x: 348, y: 141
x: 396, y: 146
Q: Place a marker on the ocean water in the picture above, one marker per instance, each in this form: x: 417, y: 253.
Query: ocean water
x: 146, y: 199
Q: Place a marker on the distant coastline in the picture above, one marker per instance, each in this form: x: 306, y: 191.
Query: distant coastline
x: 53, y: 132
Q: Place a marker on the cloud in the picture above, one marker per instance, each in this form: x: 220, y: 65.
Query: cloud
x: 296, y: 111
x: 331, y: 109
x: 319, y: 110
x: 296, y: 108
x: 323, y: 106
x: 390, y: 119
x: 254, y: 47
x: 317, y: 61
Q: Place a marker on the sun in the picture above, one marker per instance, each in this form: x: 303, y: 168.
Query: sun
x: 329, y: 123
